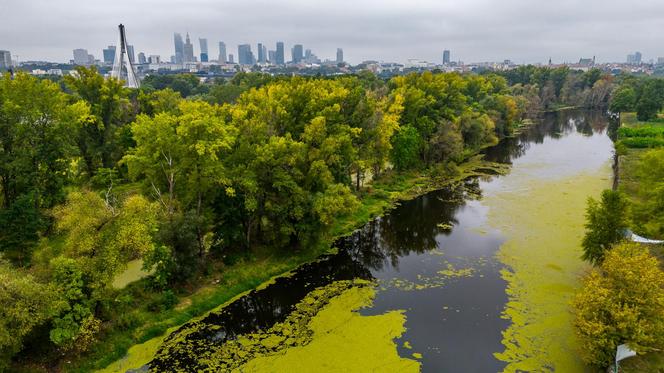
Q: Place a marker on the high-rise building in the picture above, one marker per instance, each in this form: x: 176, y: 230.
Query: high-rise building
x: 340, y: 55
x: 230, y: 58
x: 272, y: 57
x: 188, y: 50
x: 279, y: 54
x: 141, y: 59
x: 154, y: 59
x: 222, y: 52
x: 130, y: 53
x: 634, y: 59
x: 446, y: 57
x: 179, y: 48
x: 81, y: 57
x: 261, y: 55
x: 244, y: 55
x: 297, y: 53
x: 204, y: 49
x: 109, y: 54
x: 5, y: 60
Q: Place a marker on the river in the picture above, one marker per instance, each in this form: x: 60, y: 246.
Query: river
x: 476, y: 277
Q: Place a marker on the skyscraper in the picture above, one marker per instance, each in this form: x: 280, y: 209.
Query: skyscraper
x: 222, y: 52
x: 446, y: 57
x: 230, y: 58
x: 109, y: 54
x: 340, y: 55
x: 81, y: 57
x: 5, y: 60
x: 188, y: 50
x: 141, y: 58
x: 261, y: 54
x: 272, y: 57
x: 244, y: 55
x: 130, y: 53
x: 179, y: 48
x: 279, y: 54
x: 297, y: 53
x: 204, y: 49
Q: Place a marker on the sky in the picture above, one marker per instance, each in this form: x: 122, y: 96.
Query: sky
x: 525, y: 31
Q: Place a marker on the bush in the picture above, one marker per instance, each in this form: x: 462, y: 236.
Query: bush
x: 621, y: 302
x: 165, y: 301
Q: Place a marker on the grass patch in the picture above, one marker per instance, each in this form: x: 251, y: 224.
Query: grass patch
x: 637, y: 137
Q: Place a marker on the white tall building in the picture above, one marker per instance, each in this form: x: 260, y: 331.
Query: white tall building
x: 5, y: 60
x: 81, y: 57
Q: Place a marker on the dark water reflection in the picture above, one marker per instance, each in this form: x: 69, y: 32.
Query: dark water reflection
x: 455, y: 324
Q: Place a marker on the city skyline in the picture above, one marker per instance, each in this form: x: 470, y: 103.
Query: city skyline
x: 390, y: 31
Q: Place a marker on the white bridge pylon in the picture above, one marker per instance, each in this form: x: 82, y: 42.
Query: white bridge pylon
x: 123, y: 68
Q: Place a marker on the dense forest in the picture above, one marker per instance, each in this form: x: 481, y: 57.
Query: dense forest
x: 187, y: 176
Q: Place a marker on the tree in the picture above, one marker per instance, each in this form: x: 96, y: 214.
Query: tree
x: 110, y: 109
x: 36, y: 122
x: 623, y: 99
x: 102, y: 236
x: 621, y: 302
x: 650, y: 101
x: 606, y: 222
x: 20, y: 225
x: 180, y: 157
x: 26, y: 304
x: 405, y: 148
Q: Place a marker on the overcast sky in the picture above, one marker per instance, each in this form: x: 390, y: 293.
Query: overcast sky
x: 387, y: 30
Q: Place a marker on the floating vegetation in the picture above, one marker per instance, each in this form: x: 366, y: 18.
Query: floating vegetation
x: 440, y: 279
x: 543, y: 220
x: 338, y: 338
x: 445, y: 226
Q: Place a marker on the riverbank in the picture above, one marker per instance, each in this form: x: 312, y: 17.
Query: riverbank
x: 629, y: 182
x: 227, y: 282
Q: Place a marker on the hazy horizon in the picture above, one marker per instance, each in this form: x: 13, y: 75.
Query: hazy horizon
x: 477, y: 30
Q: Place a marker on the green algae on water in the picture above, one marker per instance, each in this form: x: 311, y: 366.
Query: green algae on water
x: 543, y: 222
x: 342, y: 340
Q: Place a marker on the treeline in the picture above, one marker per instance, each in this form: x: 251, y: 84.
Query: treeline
x: 94, y: 175
x: 552, y: 88
x: 645, y: 96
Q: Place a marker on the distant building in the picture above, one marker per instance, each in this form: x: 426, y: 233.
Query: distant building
x: 154, y: 59
x: 130, y: 53
x: 204, y: 49
x: 340, y: 55
x: 264, y: 54
x: 81, y: 57
x: 222, y: 52
x: 141, y: 59
x: 297, y: 53
x: 179, y: 48
x: 446, y: 57
x: 272, y: 57
x: 279, y: 58
x: 5, y: 60
x: 587, y: 61
x: 244, y: 55
x: 660, y: 60
x: 109, y: 54
x: 188, y: 50
x: 262, y: 58
x: 634, y: 59
x: 230, y: 59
